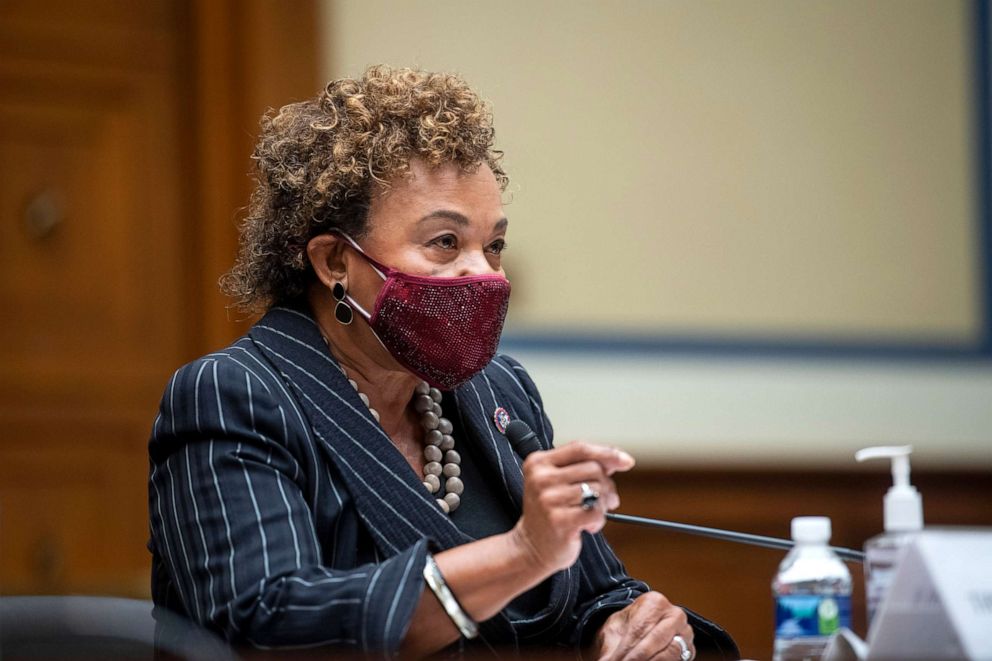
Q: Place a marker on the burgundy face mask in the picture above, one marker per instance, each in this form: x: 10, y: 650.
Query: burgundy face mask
x: 444, y: 330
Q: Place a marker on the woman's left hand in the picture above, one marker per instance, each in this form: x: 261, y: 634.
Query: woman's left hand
x: 645, y: 629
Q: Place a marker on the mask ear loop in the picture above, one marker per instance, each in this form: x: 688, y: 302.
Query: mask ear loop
x: 353, y: 303
x: 376, y: 266
x: 368, y: 320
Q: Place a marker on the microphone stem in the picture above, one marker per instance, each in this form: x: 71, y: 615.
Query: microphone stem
x: 726, y: 535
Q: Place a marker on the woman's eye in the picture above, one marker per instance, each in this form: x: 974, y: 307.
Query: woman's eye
x: 497, y: 246
x: 448, y: 242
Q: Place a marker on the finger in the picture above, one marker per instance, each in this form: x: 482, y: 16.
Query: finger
x: 611, y: 459
x: 609, y: 496
x: 660, y: 644
x: 577, y: 520
x: 674, y: 651
x: 642, y: 637
x: 688, y: 636
x: 570, y: 495
x: 544, y: 476
x: 660, y: 641
x: 584, y: 471
x: 642, y: 616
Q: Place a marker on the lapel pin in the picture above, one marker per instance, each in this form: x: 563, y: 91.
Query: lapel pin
x: 502, y: 419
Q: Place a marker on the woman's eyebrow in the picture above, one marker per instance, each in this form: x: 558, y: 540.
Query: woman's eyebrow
x: 460, y: 218
x: 449, y: 215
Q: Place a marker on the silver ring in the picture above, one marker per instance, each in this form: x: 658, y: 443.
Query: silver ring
x: 686, y: 653
x: 589, y: 497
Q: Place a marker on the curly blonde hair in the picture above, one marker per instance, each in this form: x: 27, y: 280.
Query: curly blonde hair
x: 317, y: 162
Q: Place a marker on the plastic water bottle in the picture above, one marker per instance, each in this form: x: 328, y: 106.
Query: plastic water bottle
x: 812, y: 593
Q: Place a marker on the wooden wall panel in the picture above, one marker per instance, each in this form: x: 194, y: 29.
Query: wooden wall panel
x: 125, y: 133
x: 74, y: 509
x: 249, y: 56
x: 91, y: 202
x: 731, y: 583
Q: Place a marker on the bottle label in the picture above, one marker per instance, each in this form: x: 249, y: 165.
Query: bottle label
x: 802, y: 615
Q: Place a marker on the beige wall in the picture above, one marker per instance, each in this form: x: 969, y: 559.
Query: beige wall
x: 752, y: 168
x: 773, y: 169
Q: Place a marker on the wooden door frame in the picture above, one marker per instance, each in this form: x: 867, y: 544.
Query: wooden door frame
x: 243, y: 57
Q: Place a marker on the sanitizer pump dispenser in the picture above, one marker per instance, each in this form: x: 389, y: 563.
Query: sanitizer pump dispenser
x: 903, y: 516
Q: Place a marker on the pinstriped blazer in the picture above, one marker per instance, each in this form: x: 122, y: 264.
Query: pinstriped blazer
x: 283, y: 516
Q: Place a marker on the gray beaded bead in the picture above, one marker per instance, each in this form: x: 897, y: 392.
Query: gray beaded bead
x: 430, y: 421
x: 438, y: 444
x: 454, y: 485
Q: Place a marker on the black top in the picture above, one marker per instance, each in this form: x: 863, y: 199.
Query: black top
x: 483, y: 512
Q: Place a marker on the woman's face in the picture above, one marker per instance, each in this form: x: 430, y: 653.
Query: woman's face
x: 437, y: 222
x: 440, y: 222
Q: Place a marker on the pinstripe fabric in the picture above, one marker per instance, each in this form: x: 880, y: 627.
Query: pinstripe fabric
x: 283, y: 516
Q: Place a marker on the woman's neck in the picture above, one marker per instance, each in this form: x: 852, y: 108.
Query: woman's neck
x: 388, y: 386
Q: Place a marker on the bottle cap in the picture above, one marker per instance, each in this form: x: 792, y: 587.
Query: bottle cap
x: 811, y: 529
x: 903, y: 504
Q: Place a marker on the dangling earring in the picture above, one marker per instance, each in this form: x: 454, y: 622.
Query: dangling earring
x: 342, y: 311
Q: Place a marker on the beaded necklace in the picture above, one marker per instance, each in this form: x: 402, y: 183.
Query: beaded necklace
x: 440, y: 457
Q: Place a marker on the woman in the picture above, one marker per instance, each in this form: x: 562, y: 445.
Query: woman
x: 339, y: 475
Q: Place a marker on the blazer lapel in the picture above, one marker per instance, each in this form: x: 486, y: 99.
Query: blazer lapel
x: 389, y: 498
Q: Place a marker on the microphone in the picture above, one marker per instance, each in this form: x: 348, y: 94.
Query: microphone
x: 524, y: 441
x: 522, y: 438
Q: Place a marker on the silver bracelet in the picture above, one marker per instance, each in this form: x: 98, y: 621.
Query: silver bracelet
x: 435, y: 581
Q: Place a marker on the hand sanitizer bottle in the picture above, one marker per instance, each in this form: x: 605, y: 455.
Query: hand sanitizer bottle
x: 903, y: 517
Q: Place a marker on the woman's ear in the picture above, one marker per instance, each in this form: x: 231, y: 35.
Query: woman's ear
x: 326, y: 254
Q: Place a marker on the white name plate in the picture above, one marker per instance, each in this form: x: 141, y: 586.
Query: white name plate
x: 940, y: 602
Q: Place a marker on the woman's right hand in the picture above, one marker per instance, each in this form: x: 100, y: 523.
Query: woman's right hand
x: 549, y: 530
